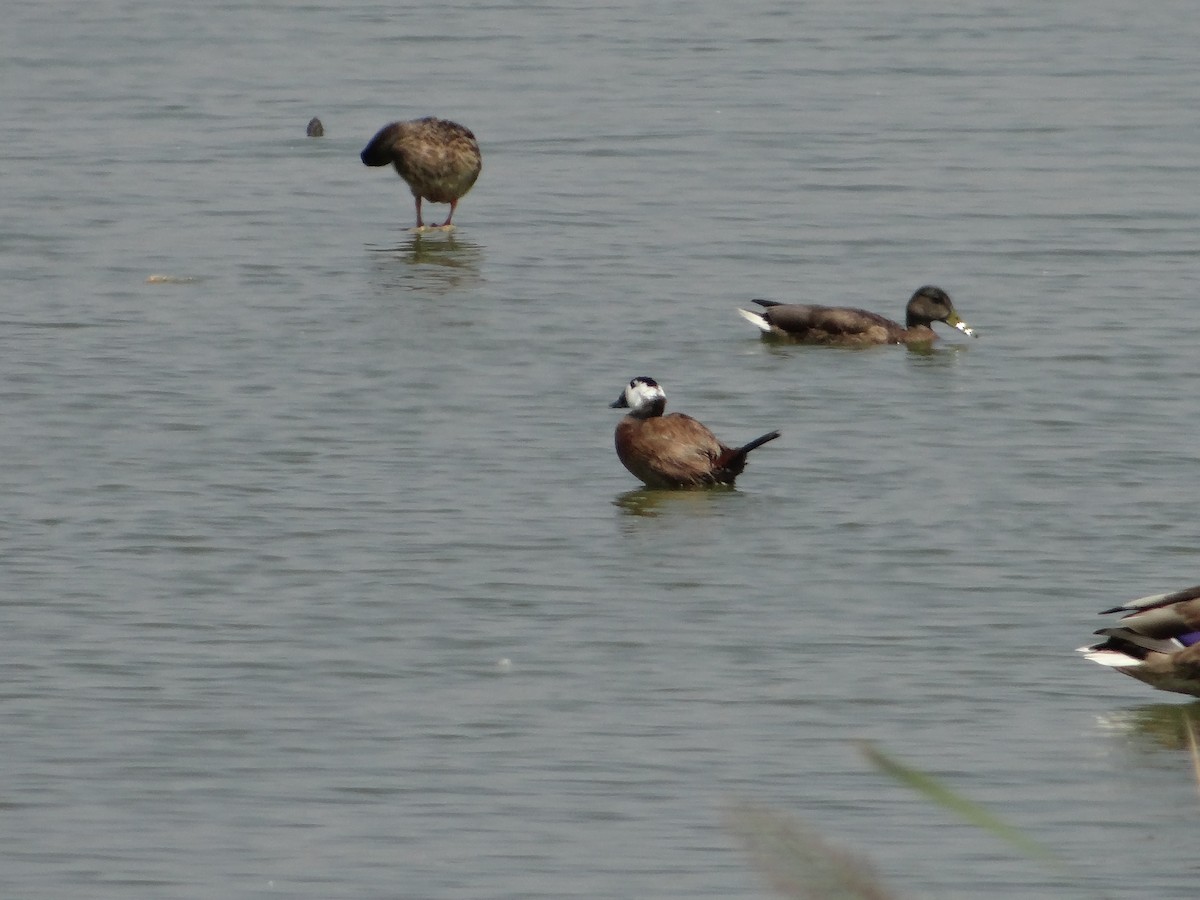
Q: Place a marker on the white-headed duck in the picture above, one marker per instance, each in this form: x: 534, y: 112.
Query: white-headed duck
x: 672, y: 451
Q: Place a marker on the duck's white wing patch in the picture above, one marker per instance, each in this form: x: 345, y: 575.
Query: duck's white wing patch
x: 755, y: 319
x: 1106, y: 657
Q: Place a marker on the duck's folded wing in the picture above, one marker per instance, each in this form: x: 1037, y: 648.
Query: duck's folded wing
x: 832, y: 320
x: 679, y: 447
x: 1125, y: 637
x: 1170, y: 620
x: 1157, y: 600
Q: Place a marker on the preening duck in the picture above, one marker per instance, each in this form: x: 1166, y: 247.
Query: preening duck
x: 846, y: 326
x: 439, y: 159
x: 675, y: 450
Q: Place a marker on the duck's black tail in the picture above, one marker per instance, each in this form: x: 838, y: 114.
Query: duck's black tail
x: 729, y: 465
x: 757, y: 442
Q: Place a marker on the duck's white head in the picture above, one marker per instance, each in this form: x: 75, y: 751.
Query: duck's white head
x: 643, y: 397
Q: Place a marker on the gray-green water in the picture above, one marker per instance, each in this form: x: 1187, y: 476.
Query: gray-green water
x: 321, y: 578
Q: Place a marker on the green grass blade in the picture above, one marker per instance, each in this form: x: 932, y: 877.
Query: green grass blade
x: 938, y: 793
x: 1193, y: 749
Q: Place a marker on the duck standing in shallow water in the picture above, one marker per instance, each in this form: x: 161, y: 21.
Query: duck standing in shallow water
x: 674, y: 450
x: 845, y: 326
x: 1157, y: 641
x: 439, y: 159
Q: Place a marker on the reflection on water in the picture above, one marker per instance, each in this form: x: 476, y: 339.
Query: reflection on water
x: 443, y: 249
x: 939, y: 354
x: 654, y: 502
x: 777, y: 345
x: 435, y: 248
x: 437, y: 262
x: 945, y: 351
x: 1165, y: 725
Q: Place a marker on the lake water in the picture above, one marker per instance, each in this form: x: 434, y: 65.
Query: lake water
x: 321, y: 578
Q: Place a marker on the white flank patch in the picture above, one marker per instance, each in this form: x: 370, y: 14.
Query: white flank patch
x: 1109, y: 658
x: 755, y: 319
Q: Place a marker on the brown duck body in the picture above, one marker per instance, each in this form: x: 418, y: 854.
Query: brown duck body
x: 840, y: 325
x: 674, y: 450
x: 850, y: 327
x: 439, y: 159
x: 1157, y: 641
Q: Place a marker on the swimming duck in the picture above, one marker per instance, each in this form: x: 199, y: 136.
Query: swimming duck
x: 1157, y: 641
x: 674, y: 450
x: 843, y: 325
x: 439, y: 159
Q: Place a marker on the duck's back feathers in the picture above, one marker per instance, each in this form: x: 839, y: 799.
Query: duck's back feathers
x: 676, y: 450
x: 1157, y: 641
x: 831, y: 324
x: 1156, y: 600
x: 438, y: 158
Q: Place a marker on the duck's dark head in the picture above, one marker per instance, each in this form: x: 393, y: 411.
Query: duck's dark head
x: 931, y: 304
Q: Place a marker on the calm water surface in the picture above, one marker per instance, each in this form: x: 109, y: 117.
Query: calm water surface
x: 321, y: 578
